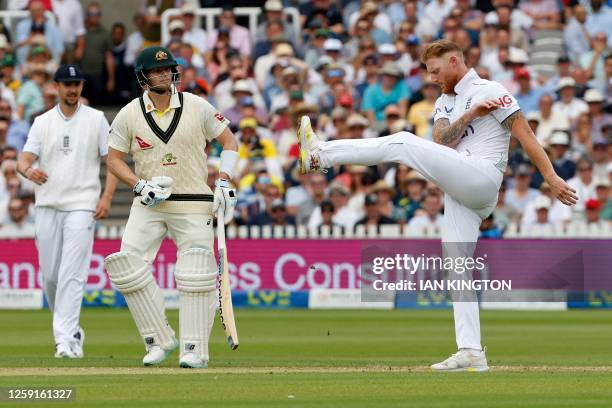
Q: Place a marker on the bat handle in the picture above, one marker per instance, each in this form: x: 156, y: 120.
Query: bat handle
x: 220, y: 230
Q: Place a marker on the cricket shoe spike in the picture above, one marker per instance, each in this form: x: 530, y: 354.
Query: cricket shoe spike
x: 463, y: 360
x: 77, y: 344
x: 309, y: 145
x: 156, y: 354
x: 191, y: 360
x: 63, y: 350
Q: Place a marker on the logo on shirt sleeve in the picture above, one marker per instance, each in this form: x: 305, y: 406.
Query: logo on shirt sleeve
x: 505, y: 101
x: 142, y: 144
x: 219, y: 117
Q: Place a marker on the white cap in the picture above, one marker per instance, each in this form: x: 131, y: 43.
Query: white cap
x: 559, y: 138
x: 518, y: 56
x: 242, y: 85
x: 602, y: 182
x: 357, y: 119
x: 273, y: 5
x: 542, y: 202
x: 491, y: 18
x: 175, y: 25
x: 534, y: 115
x: 593, y: 95
x: 387, y: 49
x: 188, y: 8
x: 332, y: 44
x: 566, y: 82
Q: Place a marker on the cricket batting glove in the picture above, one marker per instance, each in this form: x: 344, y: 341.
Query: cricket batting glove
x: 153, y: 191
x: 225, y: 199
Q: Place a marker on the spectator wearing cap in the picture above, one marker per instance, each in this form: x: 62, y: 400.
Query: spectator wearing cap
x: 428, y: 217
x: 30, y: 96
x: 273, y: 11
x: 421, y: 113
x: 253, y: 147
x: 373, y: 214
x: 390, y: 89
x: 602, y: 191
x: 387, y: 208
x: 333, y: 49
x: 245, y: 108
x: 342, y: 214
x: 521, y: 194
x: 17, y: 225
x: 540, y: 224
x: 575, y: 34
x: 558, y: 214
x: 32, y: 29
x: 583, y: 183
x: 8, y: 76
x: 392, y: 115
x: 559, y: 143
x: 599, y: 118
x: 236, y: 86
x: 591, y: 215
x: 568, y: 105
x: 176, y: 28
x: 527, y: 97
x: 97, y: 63
x: 17, y: 129
x: 357, y: 127
x: 239, y: 37
x: 193, y: 35
x: 411, y: 193
x: 489, y: 229
x: 69, y: 14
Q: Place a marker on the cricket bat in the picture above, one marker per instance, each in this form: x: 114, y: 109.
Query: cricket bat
x: 226, y: 309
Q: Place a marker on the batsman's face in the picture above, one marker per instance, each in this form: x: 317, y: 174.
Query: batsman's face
x: 444, y: 72
x: 70, y: 92
x: 160, y: 77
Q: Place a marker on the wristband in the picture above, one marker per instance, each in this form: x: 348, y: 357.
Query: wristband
x: 139, y: 186
x: 229, y: 160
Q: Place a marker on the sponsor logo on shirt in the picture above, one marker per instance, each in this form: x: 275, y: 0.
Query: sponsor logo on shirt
x: 169, y: 159
x: 219, y: 117
x: 142, y: 144
x: 505, y: 101
x: 468, y: 103
x: 448, y: 110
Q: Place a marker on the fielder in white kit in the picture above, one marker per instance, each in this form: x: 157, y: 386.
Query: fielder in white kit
x: 166, y: 133
x: 68, y: 142
x: 473, y: 121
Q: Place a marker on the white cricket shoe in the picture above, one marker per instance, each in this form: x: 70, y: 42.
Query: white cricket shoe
x: 77, y: 343
x: 63, y: 350
x: 156, y: 354
x: 191, y: 360
x: 309, y: 145
x: 463, y: 360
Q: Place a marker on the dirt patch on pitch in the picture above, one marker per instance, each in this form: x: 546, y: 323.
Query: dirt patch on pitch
x: 68, y: 371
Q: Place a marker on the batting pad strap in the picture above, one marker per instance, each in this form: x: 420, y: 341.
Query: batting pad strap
x: 229, y: 160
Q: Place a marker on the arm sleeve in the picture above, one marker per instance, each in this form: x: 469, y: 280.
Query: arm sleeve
x: 32, y: 145
x: 103, y: 136
x: 509, y: 105
x: 119, y: 136
x: 213, y: 122
x: 441, y: 111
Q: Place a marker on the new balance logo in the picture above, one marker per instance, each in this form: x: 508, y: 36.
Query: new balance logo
x: 189, y: 347
x: 448, y: 110
x: 142, y: 144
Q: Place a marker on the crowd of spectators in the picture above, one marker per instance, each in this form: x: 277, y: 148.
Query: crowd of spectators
x: 354, y: 68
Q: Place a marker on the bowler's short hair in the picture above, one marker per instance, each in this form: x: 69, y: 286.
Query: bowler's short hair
x: 439, y: 48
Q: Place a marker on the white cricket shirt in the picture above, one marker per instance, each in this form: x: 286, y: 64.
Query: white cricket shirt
x: 69, y: 151
x: 485, y: 136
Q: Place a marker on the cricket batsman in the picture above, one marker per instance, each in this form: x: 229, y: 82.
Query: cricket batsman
x: 473, y: 121
x: 165, y: 132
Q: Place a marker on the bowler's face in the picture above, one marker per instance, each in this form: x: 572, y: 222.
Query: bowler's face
x: 440, y: 70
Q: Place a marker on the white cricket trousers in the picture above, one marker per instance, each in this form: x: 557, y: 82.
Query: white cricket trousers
x: 470, y: 184
x: 65, y: 241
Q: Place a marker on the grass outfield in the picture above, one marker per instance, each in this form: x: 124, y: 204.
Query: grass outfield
x: 301, y: 358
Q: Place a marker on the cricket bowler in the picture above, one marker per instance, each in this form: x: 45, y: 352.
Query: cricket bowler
x: 165, y: 132
x: 473, y: 121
